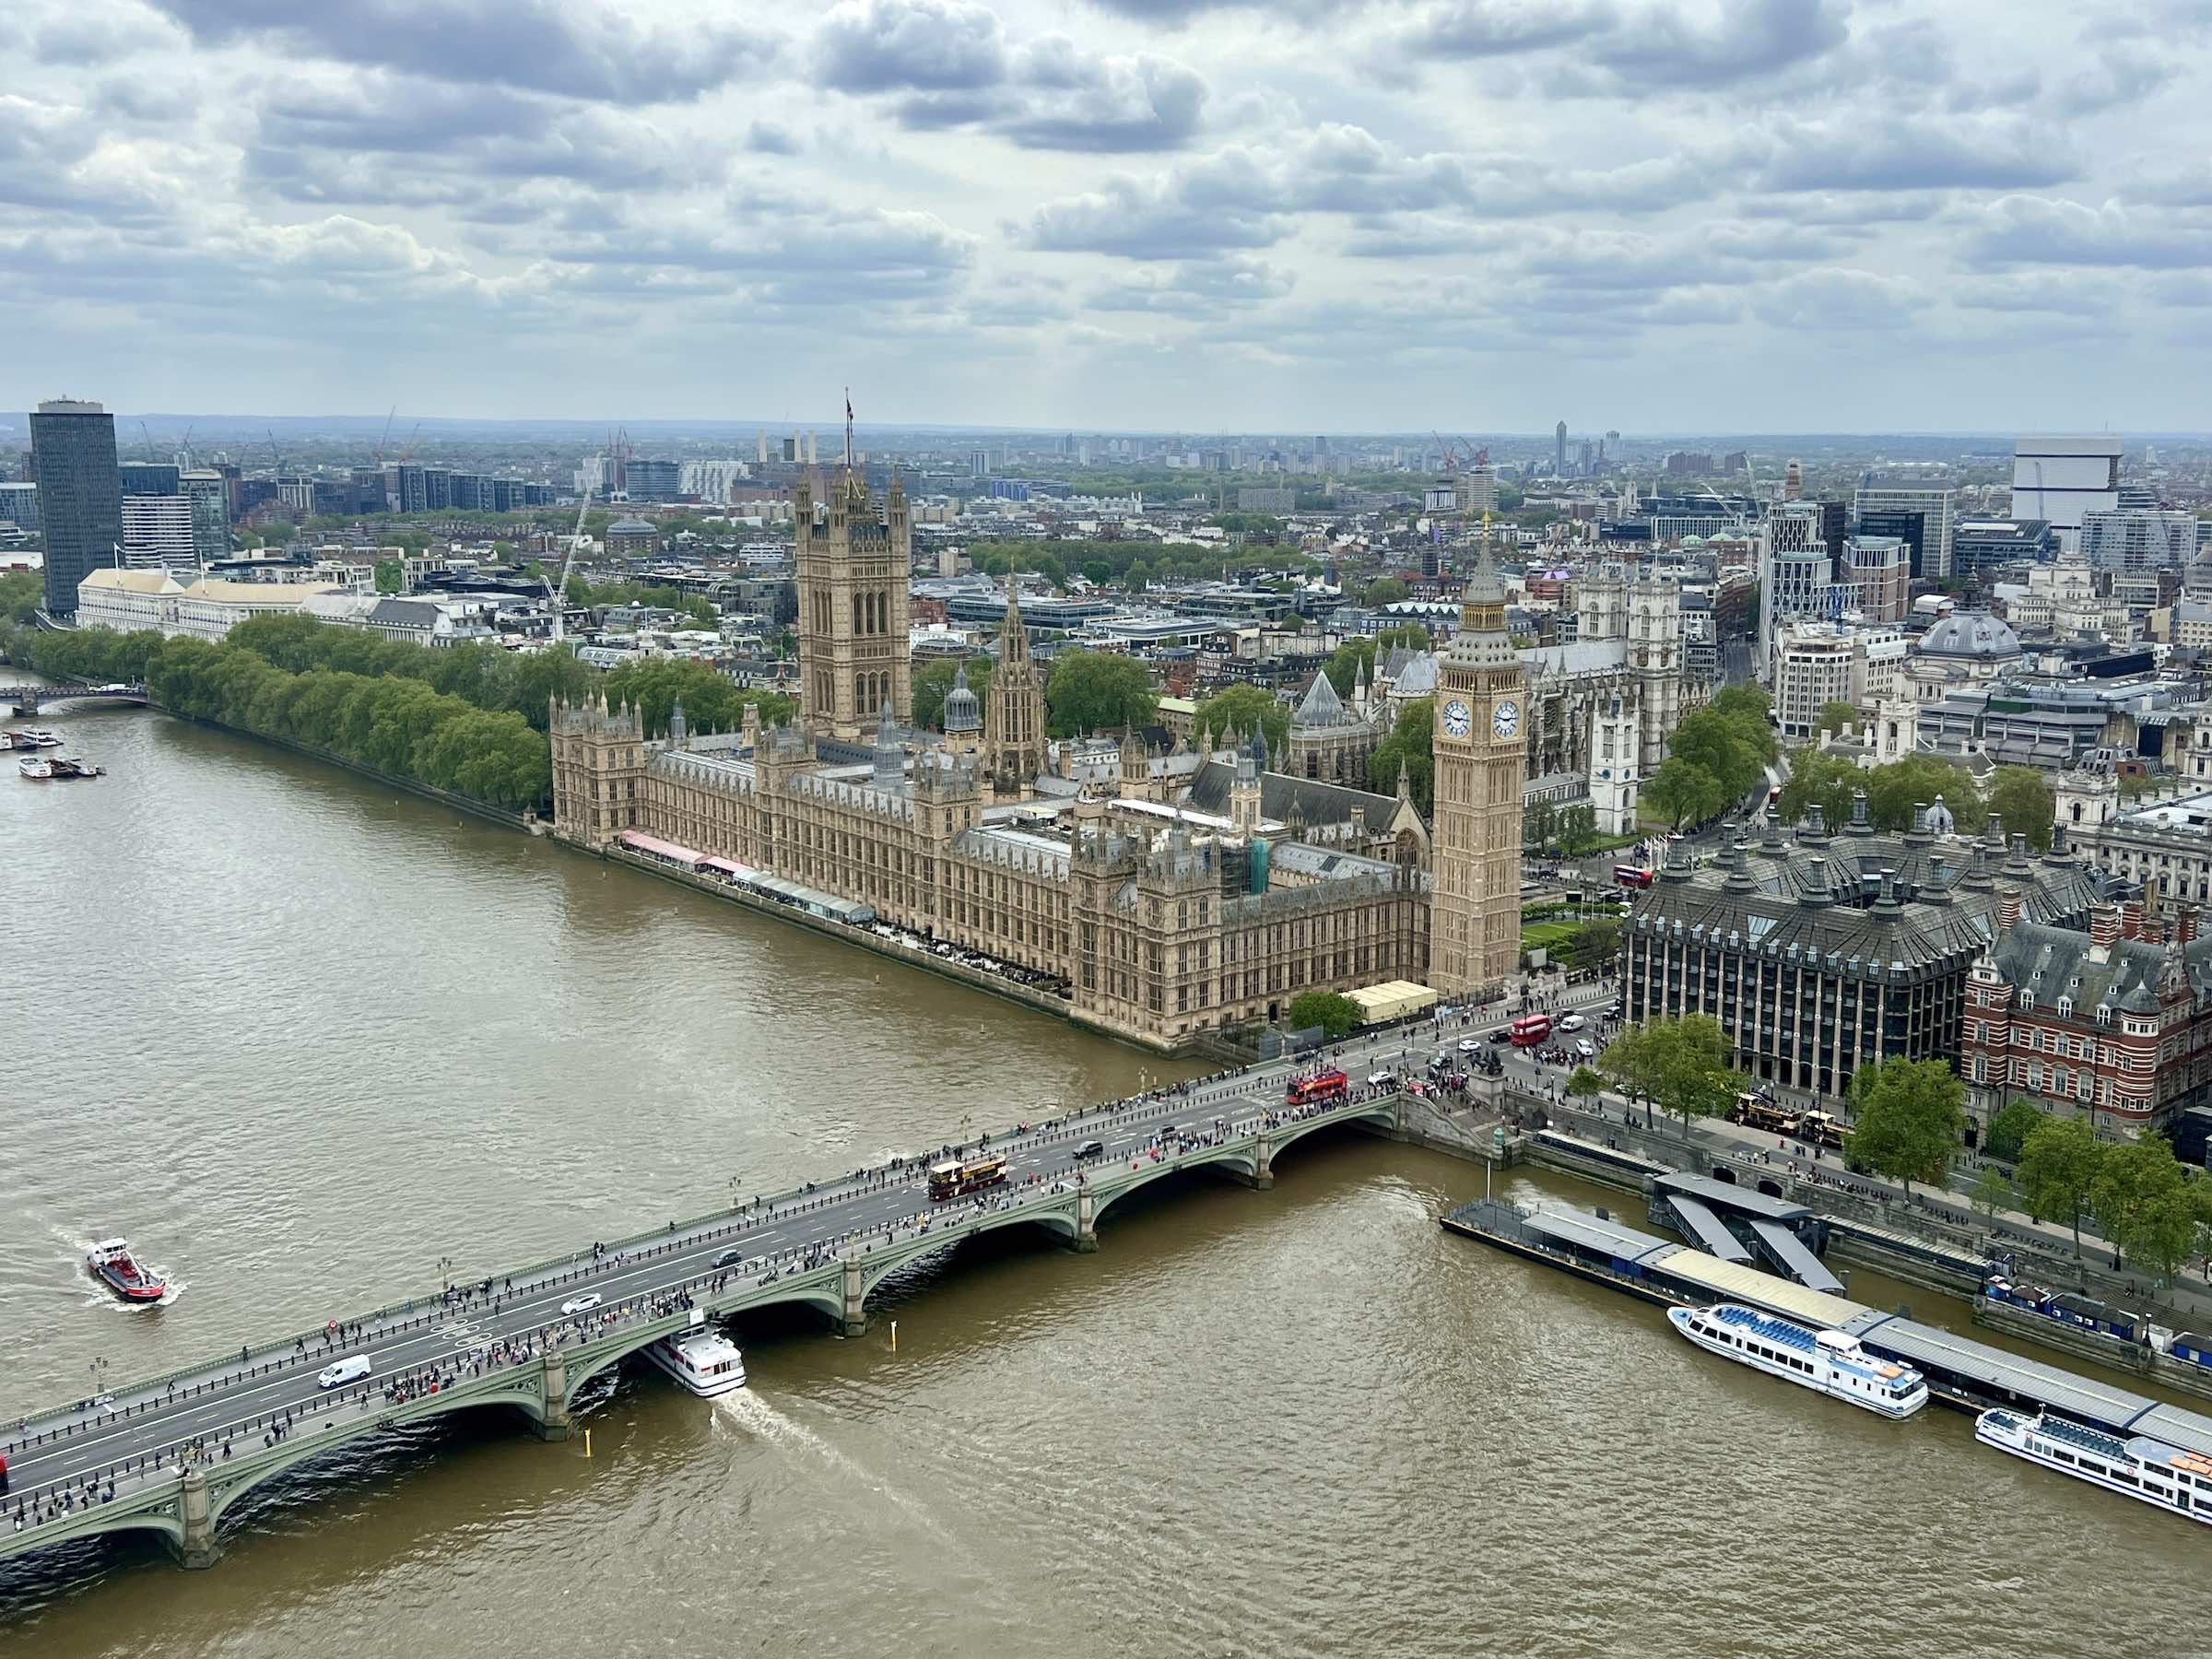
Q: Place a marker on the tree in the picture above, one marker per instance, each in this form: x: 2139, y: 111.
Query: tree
x: 1336, y: 1015
x: 1730, y: 742
x: 1818, y: 779
x: 1584, y: 1082
x: 1577, y: 831
x: 1139, y: 577
x: 2149, y: 1206
x: 1383, y: 590
x: 1596, y: 945
x: 2020, y: 796
x: 1241, y: 708
x: 1994, y: 1191
x: 1839, y: 716
x: 1411, y: 745
x: 1685, y: 792
x: 1895, y: 791
x: 2057, y: 1172
x: 1098, y: 690
x: 1680, y: 1065
x: 2009, y: 1128
x: 1911, y: 1114
x: 390, y: 576
x: 1748, y: 702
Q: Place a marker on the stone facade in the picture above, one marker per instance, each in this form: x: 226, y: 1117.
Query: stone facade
x: 1158, y: 938
x: 1157, y: 919
x: 852, y: 563
x: 1480, y: 757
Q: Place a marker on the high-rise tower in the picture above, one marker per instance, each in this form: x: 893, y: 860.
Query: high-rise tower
x: 851, y: 562
x: 1474, y: 914
x: 80, y: 495
x: 1559, y: 450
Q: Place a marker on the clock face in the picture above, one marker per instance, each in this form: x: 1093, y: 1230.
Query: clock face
x: 1459, y: 720
x: 1507, y: 721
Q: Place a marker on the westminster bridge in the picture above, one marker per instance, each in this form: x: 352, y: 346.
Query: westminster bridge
x: 174, y: 1455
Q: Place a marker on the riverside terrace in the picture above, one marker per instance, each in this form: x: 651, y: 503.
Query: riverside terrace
x: 174, y: 1455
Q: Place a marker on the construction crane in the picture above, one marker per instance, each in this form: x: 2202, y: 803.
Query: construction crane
x: 151, y: 452
x: 410, y: 448
x: 387, y: 437
x: 185, y: 447
x: 559, y: 595
x: 276, y: 454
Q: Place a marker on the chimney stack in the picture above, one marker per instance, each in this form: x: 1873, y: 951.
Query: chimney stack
x: 2185, y: 925
x: 2131, y: 919
x: 2009, y: 909
x: 2105, y: 924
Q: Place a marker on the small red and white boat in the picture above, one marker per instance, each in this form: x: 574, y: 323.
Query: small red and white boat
x: 114, y: 1264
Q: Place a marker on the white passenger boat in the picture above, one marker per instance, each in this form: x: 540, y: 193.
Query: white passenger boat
x: 1829, y: 1362
x: 703, y: 1361
x: 2139, y: 1466
x: 38, y: 766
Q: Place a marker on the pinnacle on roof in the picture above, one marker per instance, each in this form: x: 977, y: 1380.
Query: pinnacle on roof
x: 1322, y: 706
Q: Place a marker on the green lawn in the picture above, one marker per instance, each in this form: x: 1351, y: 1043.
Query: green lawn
x: 1554, y: 937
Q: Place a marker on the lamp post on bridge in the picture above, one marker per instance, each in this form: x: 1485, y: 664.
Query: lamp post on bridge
x: 445, y: 1272
x: 99, y: 1377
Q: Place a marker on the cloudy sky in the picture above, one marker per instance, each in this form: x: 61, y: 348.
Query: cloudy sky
x: 1659, y: 216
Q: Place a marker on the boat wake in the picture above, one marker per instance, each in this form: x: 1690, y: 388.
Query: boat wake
x: 747, y: 1410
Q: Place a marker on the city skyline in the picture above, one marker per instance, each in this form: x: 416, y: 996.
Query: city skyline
x: 1118, y: 217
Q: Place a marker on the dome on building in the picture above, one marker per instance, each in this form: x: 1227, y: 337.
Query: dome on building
x: 1971, y: 635
x: 964, y: 711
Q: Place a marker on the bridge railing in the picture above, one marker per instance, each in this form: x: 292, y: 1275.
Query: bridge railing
x: 400, y: 1316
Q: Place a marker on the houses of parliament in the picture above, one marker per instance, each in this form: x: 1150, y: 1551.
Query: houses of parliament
x: 1159, y: 921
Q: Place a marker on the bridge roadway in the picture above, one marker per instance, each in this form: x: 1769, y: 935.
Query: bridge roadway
x: 173, y: 1455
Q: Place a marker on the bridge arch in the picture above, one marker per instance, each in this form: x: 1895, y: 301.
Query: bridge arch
x: 1240, y: 1162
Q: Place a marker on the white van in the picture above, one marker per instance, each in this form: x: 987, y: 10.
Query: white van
x: 341, y: 1371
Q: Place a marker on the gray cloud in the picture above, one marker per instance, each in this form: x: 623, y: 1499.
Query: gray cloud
x: 1197, y: 289
x: 2029, y: 230
x: 1903, y: 153
x: 598, y: 52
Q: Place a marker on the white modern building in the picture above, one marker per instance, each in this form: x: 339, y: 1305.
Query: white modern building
x: 2063, y: 479
x: 157, y: 533
x: 132, y: 601
x: 1797, y: 576
x: 2125, y: 539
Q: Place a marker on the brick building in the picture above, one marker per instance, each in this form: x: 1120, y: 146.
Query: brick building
x: 2114, y: 1024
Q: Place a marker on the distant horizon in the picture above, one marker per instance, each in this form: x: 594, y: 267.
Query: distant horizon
x: 404, y: 422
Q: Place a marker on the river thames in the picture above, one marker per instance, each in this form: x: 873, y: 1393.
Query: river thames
x: 307, y: 1043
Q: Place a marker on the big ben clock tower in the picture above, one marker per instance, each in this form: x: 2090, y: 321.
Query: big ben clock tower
x: 1481, y: 742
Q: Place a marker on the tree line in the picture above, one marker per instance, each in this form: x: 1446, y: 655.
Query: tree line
x: 377, y: 717
x: 394, y: 705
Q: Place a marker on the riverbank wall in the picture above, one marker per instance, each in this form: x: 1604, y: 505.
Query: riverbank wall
x: 529, y: 822
x: 1913, y: 1244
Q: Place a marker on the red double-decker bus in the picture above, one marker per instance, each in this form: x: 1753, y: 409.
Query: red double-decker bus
x: 1530, y: 1029
x: 1632, y: 876
x: 1320, y: 1086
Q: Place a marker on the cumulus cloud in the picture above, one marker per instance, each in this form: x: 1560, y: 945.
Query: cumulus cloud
x: 951, y: 65
x: 603, y: 50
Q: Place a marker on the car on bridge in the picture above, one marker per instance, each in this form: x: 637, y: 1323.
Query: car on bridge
x: 581, y: 1304
x: 1090, y: 1149
x: 339, y: 1372
x: 729, y: 1258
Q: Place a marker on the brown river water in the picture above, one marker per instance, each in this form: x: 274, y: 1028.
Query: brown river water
x: 302, y: 1041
